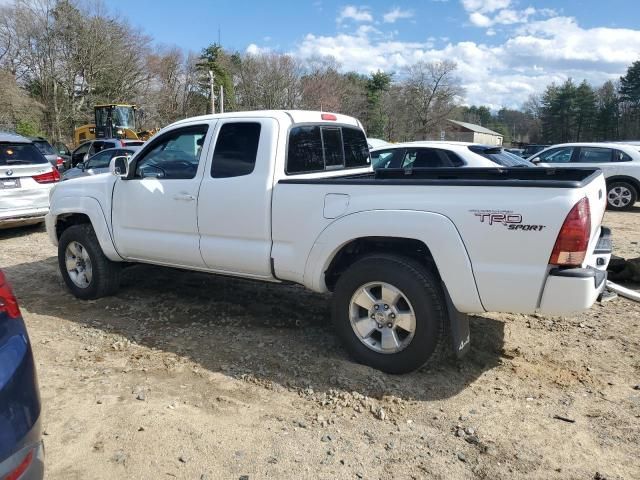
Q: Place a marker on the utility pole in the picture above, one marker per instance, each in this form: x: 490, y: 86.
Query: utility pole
x: 213, y: 100
x: 221, y: 99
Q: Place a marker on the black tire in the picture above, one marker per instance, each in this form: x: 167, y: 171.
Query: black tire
x: 105, y: 278
x: 421, y: 287
x: 621, y: 185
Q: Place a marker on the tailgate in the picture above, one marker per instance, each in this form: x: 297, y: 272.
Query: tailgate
x: 18, y: 189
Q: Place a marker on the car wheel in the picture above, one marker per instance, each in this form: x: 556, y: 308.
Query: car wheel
x: 621, y: 196
x: 390, y: 313
x: 84, y: 267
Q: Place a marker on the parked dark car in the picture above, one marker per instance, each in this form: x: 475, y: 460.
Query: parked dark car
x: 532, y: 149
x: 64, y: 152
x: 91, y: 147
x: 21, y: 449
x: 99, y: 163
x: 48, y: 151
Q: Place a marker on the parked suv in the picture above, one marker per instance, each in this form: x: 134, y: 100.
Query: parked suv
x: 90, y: 148
x: 21, y: 451
x: 25, y: 180
x: 48, y: 151
x: 620, y: 164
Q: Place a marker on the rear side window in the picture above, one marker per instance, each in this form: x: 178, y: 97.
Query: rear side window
x: 594, y: 155
x: 20, y: 154
x: 430, y: 158
x: 236, y: 150
x: 314, y: 148
x: 620, y: 156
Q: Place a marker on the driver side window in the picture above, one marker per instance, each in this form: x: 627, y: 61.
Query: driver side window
x: 174, y: 155
x: 557, y: 155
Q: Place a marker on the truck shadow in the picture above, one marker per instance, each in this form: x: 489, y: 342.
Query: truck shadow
x: 272, y: 334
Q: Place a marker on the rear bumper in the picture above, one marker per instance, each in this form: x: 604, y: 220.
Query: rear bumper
x: 570, y: 290
x: 22, y: 217
x: 29, y: 460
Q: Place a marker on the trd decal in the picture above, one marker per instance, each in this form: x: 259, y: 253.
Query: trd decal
x: 509, y: 219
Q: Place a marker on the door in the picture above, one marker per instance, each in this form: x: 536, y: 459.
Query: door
x: 155, y: 208
x: 596, y: 157
x: 234, y: 207
x: 79, y: 154
x: 430, y: 158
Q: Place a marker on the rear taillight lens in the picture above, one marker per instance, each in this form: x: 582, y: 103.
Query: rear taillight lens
x: 49, y: 177
x: 571, y: 245
x: 59, y: 161
x: 8, y: 302
x: 20, y: 469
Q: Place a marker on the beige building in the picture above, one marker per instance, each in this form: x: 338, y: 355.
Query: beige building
x: 469, y: 132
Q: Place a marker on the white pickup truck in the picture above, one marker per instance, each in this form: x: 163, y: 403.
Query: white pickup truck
x: 290, y: 196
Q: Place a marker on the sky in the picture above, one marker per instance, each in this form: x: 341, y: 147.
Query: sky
x: 505, y: 49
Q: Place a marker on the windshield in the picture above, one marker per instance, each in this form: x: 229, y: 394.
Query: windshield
x: 20, y: 154
x: 44, y: 147
x: 124, y: 117
x: 500, y: 156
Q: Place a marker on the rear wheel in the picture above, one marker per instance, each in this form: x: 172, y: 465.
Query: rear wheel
x: 621, y: 196
x: 84, y: 267
x: 390, y: 313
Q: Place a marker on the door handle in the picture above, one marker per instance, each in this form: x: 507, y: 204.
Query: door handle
x: 185, y: 197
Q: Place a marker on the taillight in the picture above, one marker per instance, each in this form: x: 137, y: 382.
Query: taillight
x: 329, y: 116
x: 20, y: 469
x: 49, y: 177
x: 572, y: 242
x: 59, y: 161
x: 8, y: 302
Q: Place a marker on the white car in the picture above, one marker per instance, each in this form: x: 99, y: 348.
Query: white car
x: 619, y: 162
x: 290, y: 197
x: 26, y: 177
x: 442, y: 154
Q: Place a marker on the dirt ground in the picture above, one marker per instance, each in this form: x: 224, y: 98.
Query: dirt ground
x: 189, y: 376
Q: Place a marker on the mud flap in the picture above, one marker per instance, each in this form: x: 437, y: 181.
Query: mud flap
x: 459, y: 327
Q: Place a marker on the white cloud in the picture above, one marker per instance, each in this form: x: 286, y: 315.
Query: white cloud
x: 358, y: 14
x: 504, y: 74
x: 485, y: 6
x: 480, y: 20
x: 396, y: 14
x: 254, y: 49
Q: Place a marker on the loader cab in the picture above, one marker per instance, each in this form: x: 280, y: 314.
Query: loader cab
x: 115, y: 121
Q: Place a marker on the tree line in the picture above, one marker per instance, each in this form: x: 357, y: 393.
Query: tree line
x: 59, y: 58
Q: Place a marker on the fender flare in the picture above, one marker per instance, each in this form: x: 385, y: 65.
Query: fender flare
x: 90, y: 207
x: 436, y: 231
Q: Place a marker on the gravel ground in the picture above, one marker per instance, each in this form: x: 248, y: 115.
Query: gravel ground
x: 189, y: 376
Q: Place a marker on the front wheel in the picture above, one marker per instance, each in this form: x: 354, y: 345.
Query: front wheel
x: 621, y: 196
x: 390, y: 313
x: 84, y: 267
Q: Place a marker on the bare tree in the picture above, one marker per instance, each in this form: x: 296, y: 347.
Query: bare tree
x: 433, y: 92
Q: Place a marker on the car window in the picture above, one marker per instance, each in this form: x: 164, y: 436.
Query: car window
x: 102, y: 159
x: 500, y: 156
x: 20, y: 154
x: 620, y: 156
x: 236, y: 150
x: 557, y: 155
x: 356, y: 150
x: 388, y: 158
x: 44, y: 147
x: 314, y: 148
x: 594, y: 155
x: 174, y: 155
x: 429, y: 158
x: 82, y: 149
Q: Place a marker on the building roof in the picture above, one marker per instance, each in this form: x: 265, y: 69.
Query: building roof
x: 475, y: 128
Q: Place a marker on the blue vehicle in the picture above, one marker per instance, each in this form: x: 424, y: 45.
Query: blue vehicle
x: 21, y: 449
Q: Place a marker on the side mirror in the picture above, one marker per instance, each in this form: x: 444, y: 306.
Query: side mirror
x: 536, y: 160
x: 119, y: 166
x: 81, y: 166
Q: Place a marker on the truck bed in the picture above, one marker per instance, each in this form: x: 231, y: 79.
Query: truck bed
x: 477, y: 177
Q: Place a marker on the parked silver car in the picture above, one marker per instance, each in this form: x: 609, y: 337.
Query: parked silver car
x: 26, y: 177
x: 99, y: 163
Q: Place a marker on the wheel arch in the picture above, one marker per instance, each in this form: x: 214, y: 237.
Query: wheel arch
x: 73, y: 211
x: 428, y: 237
x: 635, y: 183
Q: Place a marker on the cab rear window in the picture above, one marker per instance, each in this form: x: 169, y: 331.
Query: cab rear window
x: 315, y: 148
x: 20, y: 154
